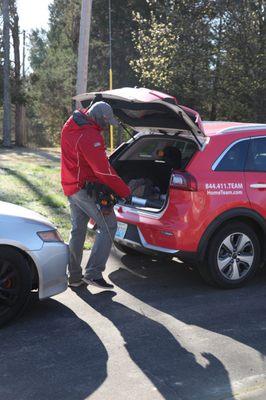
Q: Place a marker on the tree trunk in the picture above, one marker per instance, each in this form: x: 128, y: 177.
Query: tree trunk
x: 6, y: 75
x: 18, y: 83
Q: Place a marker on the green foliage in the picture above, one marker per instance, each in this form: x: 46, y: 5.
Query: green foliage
x: 210, y: 54
x: 54, y: 59
x: 39, y: 44
x: 51, y: 89
x: 122, y: 45
x: 155, y: 41
x: 175, y: 50
x: 244, y: 65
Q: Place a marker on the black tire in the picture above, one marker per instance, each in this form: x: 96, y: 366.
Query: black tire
x: 15, y: 284
x: 127, y: 250
x: 236, y: 268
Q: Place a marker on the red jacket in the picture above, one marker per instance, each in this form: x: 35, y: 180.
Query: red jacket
x: 84, y: 159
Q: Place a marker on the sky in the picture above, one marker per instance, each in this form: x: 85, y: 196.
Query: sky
x: 33, y: 14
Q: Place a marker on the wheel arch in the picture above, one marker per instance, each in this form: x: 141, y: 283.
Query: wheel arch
x: 31, y: 263
x: 250, y: 217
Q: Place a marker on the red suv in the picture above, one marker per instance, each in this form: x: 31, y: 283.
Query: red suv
x: 198, y: 189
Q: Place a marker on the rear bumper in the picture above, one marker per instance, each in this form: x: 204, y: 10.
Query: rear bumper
x: 176, y: 228
x: 134, y: 238
x: 51, y: 263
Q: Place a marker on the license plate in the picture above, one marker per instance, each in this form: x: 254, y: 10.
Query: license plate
x: 121, y: 230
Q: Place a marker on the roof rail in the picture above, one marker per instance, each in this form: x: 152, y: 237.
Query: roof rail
x: 240, y: 128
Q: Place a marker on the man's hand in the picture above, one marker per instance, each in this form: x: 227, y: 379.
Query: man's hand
x: 128, y: 199
x: 106, y: 210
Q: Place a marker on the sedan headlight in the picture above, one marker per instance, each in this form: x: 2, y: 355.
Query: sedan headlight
x: 50, y: 236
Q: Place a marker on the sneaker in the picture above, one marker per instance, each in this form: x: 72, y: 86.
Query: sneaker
x: 76, y: 284
x: 100, y: 283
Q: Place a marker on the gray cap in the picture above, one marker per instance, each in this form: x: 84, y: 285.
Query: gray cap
x: 103, y: 114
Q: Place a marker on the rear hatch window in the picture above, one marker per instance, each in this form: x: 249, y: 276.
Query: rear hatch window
x: 152, y: 148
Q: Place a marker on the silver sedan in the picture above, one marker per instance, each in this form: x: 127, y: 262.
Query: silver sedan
x: 32, y: 256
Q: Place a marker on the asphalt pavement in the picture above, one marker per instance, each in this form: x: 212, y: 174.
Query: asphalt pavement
x: 160, y: 334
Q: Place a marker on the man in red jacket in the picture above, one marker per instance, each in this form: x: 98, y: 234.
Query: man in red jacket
x: 84, y: 161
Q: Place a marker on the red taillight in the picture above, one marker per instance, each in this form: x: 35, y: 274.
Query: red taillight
x: 183, y: 181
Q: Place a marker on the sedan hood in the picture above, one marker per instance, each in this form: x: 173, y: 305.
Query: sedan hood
x: 12, y: 210
x: 142, y: 108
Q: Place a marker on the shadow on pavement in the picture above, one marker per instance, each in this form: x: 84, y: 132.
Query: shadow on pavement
x: 50, y: 354
x: 178, y: 291
x: 236, y: 313
x: 173, y: 370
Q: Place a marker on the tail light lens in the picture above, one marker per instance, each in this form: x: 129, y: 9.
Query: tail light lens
x: 50, y: 236
x: 183, y: 181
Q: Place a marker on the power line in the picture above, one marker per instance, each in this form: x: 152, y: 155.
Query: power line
x: 23, y: 53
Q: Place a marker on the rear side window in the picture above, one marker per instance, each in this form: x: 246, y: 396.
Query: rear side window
x: 235, y: 158
x: 256, y: 160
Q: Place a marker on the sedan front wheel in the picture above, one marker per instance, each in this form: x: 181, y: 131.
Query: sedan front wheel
x: 15, y: 283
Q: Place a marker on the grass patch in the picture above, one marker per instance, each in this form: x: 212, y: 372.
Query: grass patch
x: 31, y: 179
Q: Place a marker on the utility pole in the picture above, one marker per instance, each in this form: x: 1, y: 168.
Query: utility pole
x: 23, y: 54
x: 6, y: 75
x: 83, y: 49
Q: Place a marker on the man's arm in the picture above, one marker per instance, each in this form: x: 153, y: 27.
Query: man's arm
x: 94, y: 154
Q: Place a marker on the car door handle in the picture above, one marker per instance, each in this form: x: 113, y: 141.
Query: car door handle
x: 258, y: 185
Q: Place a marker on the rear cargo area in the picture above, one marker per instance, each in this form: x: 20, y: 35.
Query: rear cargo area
x: 147, y: 164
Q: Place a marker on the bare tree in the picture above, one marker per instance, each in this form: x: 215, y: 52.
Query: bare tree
x: 6, y: 75
x: 17, y: 81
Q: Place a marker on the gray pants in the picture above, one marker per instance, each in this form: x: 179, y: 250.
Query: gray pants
x: 83, y: 207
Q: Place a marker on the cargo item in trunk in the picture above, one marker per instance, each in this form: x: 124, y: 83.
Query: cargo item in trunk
x: 144, y: 188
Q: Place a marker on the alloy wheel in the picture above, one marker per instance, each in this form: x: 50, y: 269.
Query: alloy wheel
x: 235, y: 256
